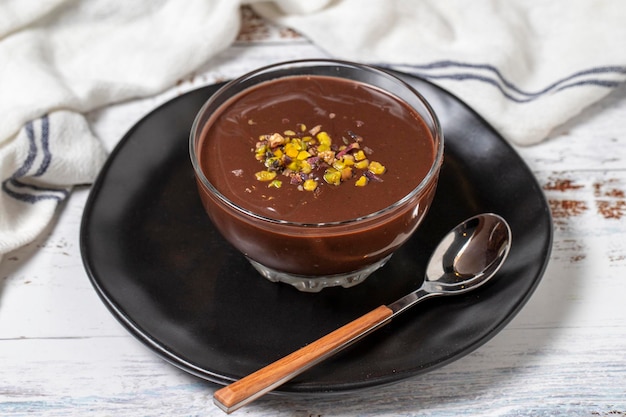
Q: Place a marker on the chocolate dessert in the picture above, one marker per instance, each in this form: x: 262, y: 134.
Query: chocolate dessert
x: 371, y: 123
x: 312, y: 175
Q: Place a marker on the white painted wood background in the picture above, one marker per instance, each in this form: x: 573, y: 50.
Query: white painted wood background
x: 63, y: 354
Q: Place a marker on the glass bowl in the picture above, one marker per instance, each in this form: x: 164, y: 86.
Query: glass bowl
x: 310, y: 254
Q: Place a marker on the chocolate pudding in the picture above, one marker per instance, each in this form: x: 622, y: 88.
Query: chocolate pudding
x: 315, y: 175
x: 385, y: 129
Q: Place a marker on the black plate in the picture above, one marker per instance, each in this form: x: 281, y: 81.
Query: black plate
x: 163, y: 270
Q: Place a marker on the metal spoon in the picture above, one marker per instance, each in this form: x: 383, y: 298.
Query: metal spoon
x: 466, y: 258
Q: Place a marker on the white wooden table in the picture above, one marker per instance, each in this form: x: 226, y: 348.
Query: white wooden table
x: 63, y: 354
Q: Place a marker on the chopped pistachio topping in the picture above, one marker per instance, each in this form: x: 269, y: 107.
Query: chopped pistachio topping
x: 265, y: 175
x: 310, y: 185
x: 308, y: 156
x: 275, y: 184
x: 362, y: 181
x: 376, y: 167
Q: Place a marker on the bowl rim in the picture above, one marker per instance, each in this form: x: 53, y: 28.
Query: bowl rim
x: 308, y: 63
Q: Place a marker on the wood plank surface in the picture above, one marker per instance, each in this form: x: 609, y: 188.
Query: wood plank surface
x: 63, y: 354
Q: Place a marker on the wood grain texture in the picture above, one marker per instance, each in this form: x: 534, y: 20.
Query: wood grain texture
x: 239, y: 393
x: 63, y: 354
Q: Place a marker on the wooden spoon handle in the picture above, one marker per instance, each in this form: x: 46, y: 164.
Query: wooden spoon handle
x: 266, y: 379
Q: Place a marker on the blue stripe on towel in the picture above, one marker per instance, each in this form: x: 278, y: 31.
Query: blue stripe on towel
x: 31, y: 193
x: 32, y: 152
x: 461, y: 71
x: 45, y: 146
x: 38, y: 194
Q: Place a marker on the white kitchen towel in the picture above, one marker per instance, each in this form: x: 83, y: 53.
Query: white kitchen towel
x: 48, y: 156
x: 525, y: 65
x: 62, y: 58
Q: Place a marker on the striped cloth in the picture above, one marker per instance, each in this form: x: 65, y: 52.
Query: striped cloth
x: 60, y: 59
x: 526, y: 66
x: 38, y: 167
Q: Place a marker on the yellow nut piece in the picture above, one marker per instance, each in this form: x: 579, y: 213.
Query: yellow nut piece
x: 376, y: 168
x: 309, y: 185
x: 260, y: 152
x: 348, y: 160
x: 294, y: 165
x: 339, y: 165
x: 324, y: 139
x: 275, y: 184
x: 361, y: 182
x: 332, y: 176
x: 292, y: 150
x: 362, y: 164
x: 298, y: 143
x: 305, y: 167
x: 302, y: 155
x: 265, y: 175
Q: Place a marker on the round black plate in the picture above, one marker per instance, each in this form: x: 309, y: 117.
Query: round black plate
x: 163, y: 270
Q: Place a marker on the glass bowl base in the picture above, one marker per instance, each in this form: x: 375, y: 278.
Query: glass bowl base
x: 308, y: 283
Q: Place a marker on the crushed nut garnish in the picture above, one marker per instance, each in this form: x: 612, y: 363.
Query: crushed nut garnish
x: 307, y: 156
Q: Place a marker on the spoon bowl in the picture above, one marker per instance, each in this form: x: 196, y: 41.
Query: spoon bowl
x: 469, y: 254
x: 466, y: 258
